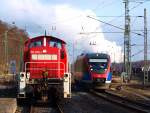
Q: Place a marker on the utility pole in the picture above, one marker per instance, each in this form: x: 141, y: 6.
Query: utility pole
x: 6, y: 52
x: 21, y: 54
x: 127, y: 41
x: 145, y: 49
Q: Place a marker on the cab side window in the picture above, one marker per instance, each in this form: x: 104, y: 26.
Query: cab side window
x: 55, y: 44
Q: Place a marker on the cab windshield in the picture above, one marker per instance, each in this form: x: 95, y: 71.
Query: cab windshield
x: 98, y: 65
x: 101, y: 65
x: 36, y: 44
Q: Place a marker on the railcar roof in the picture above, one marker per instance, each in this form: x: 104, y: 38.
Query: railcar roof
x: 97, y: 55
x: 52, y: 37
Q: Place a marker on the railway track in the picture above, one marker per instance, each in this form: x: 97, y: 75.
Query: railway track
x: 37, y: 109
x: 46, y: 109
x: 133, y: 105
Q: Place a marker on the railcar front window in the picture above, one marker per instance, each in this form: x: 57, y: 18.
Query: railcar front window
x: 36, y: 44
x: 102, y: 65
x: 55, y: 44
x: 98, y: 65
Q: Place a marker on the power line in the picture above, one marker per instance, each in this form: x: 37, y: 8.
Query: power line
x: 123, y: 13
x: 113, y: 32
x: 139, y: 0
x: 113, y: 25
x: 67, y: 20
x: 136, y: 5
x: 139, y: 45
x: 137, y: 53
x: 105, y: 4
x: 115, y: 16
x: 102, y: 3
x: 99, y: 5
x: 133, y: 21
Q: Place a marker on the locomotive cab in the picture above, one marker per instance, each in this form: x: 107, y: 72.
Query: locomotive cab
x: 45, y: 67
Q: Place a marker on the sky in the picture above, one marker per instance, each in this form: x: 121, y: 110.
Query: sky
x: 68, y: 20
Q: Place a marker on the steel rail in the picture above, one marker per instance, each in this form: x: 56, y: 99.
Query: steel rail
x: 136, y: 106
x: 60, y: 108
x: 45, y: 109
x: 144, y: 105
x: 37, y: 109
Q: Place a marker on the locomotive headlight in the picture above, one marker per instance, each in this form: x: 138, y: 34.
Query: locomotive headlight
x: 91, y: 69
x: 44, y: 51
x: 98, y: 80
x: 28, y: 75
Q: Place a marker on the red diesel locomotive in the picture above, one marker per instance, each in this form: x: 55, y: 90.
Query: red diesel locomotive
x: 45, y: 68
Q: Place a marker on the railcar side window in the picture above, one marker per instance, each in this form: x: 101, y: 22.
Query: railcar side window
x: 55, y: 44
x: 36, y: 44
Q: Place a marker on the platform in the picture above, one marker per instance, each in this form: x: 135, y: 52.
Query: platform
x: 8, y: 105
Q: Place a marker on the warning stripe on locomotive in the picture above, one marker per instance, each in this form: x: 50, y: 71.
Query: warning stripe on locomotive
x: 44, y: 57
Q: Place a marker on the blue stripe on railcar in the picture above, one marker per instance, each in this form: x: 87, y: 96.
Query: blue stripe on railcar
x: 109, y: 76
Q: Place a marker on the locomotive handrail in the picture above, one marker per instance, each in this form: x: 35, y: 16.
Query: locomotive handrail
x: 44, y: 68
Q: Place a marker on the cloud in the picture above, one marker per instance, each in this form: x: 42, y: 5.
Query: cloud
x: 61, y: 20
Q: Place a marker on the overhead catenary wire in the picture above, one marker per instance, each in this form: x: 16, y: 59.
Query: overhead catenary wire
x: 113, y: 32
x: 103, y: 4
x: 110, y: 16
x: 137, y: 53
x: 123, y: 13
x: 113, y: 25
x: 77, y: 16
x: 139, y: 0
x: 139, y: 45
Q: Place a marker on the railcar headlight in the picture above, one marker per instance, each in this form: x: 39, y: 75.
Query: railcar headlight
x: 98, y: 80
x: 28, y: 75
